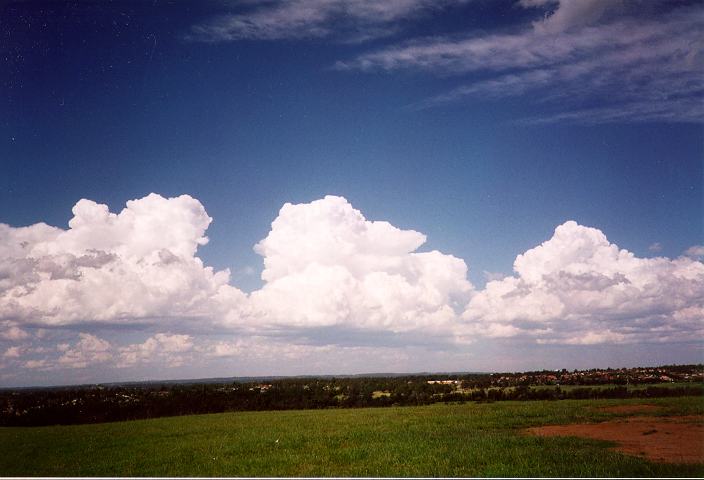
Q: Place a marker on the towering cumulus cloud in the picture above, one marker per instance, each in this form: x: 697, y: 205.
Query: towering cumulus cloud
x: 325, y: 264
x: 577, y: 288
x: 331, y: 278
x: 135, y: 266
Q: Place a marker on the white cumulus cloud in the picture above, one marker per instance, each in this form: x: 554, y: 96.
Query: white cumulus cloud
x: 578, y: 288
x: 134, y: 266
x: 162, y: 347
x: 12, y: 352
x: 325, y: 264
x: 88, y: 351
x: 335, y: 283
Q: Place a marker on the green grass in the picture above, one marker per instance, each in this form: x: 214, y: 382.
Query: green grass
x: 439, y: 440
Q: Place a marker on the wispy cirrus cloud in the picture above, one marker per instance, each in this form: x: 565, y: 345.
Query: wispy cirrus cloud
x: 655, y: 247
x: 695, y: 251
x: 611, y: 64
x: 579, y: 61
x: 348, y: 20
x: 567, y: 14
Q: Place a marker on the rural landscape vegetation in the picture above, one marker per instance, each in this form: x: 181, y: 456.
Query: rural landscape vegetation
x: 639, y: 422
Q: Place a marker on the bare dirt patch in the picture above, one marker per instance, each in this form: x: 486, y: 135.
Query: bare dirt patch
x: 629, y: 409
x: 659, y: 439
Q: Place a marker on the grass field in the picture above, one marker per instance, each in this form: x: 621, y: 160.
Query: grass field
x: 438, y: 440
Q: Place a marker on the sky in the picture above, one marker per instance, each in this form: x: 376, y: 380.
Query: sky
x: 293, y: 187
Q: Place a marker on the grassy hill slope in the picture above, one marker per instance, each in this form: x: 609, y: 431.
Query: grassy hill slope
x: 438, y: 440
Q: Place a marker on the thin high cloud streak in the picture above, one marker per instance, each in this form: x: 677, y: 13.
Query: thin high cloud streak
x: 352, y: 21
x: 567, y: 14
x: 327, y: 270
x: 647, y: 69
x: 642, y: 59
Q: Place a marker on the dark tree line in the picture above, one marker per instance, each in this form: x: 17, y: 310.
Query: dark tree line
x: 93, y: 404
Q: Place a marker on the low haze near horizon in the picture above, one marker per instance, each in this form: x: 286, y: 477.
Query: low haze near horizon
x: 207, y: 189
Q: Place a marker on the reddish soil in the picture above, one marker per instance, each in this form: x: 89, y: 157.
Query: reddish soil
x: 658, y: 439
x: 629, y: 409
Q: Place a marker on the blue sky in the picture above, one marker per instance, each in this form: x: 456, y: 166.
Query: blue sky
x: 482, y: 124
